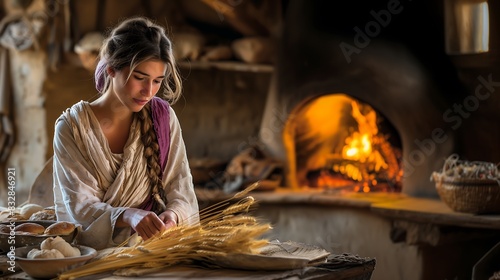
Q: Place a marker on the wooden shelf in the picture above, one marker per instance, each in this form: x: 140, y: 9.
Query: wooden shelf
x: 434, y: 212
x: 226, y: 65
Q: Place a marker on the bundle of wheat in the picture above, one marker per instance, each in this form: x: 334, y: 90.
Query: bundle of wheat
x: 224, y: 228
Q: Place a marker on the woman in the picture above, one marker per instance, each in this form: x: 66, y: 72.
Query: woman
x: 120, y: 162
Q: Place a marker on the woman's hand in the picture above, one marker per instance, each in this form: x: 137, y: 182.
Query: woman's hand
x: 169, y: 218
x: 145, y: 223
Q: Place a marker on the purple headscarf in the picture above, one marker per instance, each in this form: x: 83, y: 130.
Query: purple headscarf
x: 99, y: 75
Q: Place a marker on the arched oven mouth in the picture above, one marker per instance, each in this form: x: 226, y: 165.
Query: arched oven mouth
x: 335, y: 142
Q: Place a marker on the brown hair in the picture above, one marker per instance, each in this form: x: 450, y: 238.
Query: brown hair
x: 151, y: 153
x: 132, y: 42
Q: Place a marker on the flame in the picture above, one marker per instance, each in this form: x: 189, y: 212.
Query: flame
x: 359, y: 145
x: 359, y: 148
x: 361, y: 159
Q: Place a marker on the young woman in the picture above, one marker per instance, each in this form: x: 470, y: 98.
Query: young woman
x: 120, y: 162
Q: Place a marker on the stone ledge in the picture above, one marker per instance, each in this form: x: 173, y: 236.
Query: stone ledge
x: 392, y: 205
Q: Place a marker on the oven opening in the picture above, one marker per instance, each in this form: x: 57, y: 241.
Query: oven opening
x: 336, y: 142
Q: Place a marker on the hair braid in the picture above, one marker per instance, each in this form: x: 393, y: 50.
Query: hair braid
x: 151, y: 152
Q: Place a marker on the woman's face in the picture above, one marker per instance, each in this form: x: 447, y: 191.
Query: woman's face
x: 142, y: 86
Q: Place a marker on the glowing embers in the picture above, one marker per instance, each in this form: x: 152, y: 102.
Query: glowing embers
x: 367, y: 156
x: 339, y: 146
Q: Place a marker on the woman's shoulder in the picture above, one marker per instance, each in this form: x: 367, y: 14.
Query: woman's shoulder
x: 72, y: 113
x: 76, y: 108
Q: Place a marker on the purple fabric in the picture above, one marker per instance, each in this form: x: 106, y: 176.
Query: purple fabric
x: 99, y: 75
x: 161, y: 122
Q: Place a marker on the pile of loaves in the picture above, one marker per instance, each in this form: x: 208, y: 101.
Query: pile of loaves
x: 58, y: 228
x: 31, y: 212
x: 53, y: 246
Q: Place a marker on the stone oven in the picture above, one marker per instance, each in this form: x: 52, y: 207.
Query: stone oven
x: 390, y: 56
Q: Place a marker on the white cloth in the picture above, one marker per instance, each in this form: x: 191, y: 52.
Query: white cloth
x: 93, y: 186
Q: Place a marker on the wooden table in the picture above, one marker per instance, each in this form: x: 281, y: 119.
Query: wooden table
x: 337, y: 267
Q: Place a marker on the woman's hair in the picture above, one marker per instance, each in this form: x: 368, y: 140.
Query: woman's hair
x: 151, y: 153
x: 133, y: 41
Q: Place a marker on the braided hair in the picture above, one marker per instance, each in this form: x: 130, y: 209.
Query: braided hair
x: 151, y: 153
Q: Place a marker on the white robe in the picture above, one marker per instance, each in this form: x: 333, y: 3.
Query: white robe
x: 93, y: 186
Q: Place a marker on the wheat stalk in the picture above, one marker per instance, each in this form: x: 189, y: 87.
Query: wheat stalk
x: 224, y: 229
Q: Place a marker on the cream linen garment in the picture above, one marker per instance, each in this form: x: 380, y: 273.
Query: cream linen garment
x: 93, y: 186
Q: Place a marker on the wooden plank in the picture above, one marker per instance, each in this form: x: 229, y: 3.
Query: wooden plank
x: 226, y: 65
x: 434, y: 211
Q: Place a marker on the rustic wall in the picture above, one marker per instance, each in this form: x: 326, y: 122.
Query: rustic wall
x: 92, y: 15
x: 28, y: 67
x: 28, y: 154
x: 64, y: 87
x: 221, y: 111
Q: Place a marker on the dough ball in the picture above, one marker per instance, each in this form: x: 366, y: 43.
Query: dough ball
x: 61, y: 245
x: 45, y: 254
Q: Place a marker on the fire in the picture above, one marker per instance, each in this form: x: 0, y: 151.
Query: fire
x: 359, y: 145
x: 362, y: 159
x: 333, y: 141
x: 358, y: 148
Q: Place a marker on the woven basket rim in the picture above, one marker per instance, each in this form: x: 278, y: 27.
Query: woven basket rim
x: 440, y: 178
x: 470, y: 198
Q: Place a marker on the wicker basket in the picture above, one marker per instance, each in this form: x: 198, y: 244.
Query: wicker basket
x: 469, y: 195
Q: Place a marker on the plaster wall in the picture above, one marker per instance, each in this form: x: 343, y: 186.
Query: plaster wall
x: 349, y: 229
x: 28, y: 153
